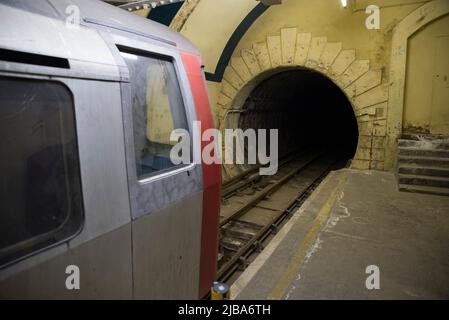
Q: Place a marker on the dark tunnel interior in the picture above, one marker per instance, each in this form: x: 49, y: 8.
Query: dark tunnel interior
x: 307, y: 108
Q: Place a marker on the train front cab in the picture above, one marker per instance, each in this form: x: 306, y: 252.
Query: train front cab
x: 86, y: 179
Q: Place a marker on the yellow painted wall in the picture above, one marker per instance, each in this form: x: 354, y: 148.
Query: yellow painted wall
x: 143, y: 12
x: 211, y: 25
x: 213, y: 21
x: 426, y: 87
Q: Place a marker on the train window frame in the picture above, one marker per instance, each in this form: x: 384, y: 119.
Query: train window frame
x: 169, y: 56
x: 74, y: 218
x: 158, y: 186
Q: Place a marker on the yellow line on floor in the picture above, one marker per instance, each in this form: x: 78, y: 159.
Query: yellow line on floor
x: 295, y: 263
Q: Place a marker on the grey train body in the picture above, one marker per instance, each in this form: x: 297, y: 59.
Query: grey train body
x: 135, y: 238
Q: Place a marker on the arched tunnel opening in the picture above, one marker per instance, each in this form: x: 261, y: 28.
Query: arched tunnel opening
x: 307, y: 108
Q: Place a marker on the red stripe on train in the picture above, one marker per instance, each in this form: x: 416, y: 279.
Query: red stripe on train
x: 211, y: 178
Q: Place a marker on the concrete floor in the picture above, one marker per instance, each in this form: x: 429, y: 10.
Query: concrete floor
x: 354, y: 220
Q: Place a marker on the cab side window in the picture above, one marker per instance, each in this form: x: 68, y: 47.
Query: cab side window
x: 157, y: 109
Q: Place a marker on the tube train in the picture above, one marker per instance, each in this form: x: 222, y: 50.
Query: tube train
x: 91, y: 205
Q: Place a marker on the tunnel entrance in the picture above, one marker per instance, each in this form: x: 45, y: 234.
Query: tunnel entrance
x: 307, y: 108
x: 317, y: 133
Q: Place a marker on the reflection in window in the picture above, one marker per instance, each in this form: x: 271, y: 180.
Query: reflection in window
x: 157, y: 109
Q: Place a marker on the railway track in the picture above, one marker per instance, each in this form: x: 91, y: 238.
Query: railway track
x: 254, y: 207
x: 245, y: 179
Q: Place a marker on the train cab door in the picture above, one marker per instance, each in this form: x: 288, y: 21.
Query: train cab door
x: 166, y: 198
